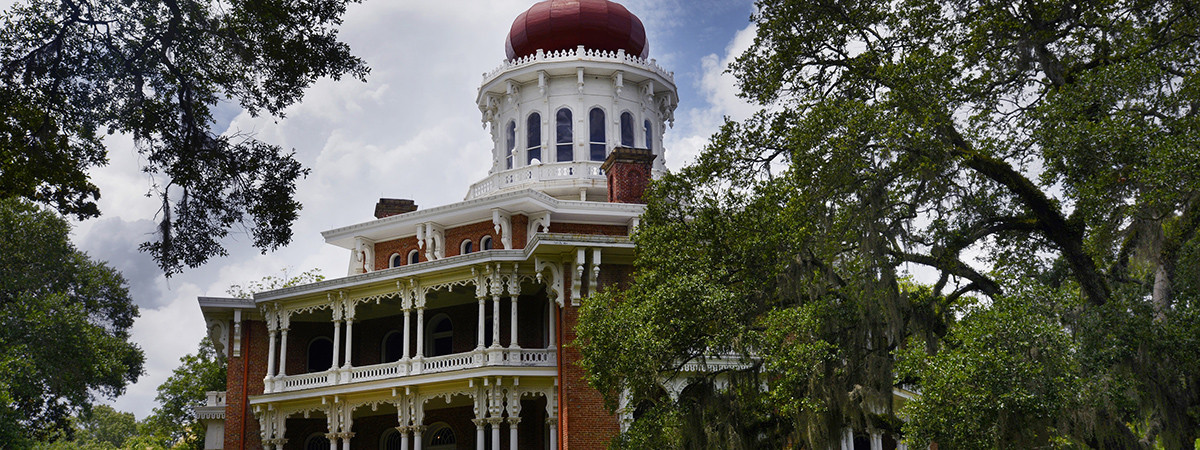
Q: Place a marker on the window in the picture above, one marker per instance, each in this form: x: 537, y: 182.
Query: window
x: 316, y: 441
x: 485, y: 243
x: 564, y: 136
x: 390, y: 440
x: 441, y: 437
x: 395, y: 260
x: 440, y: 339
x: 533, y: 138
x: 393, y: 347
x: 465, y: 247
x: 596, y: 134
x: 649, y: 136
x: 512, y: 143
x: 320, y: 354
x: 414, y: 257
x: 626, y: 129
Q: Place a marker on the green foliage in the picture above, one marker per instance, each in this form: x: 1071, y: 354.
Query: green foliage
x: 184, y: 390
x: 105, y: 426
x: 64, y: 326
x: 1033, y: 162
x: 156, y: 69
x: 272, y: 282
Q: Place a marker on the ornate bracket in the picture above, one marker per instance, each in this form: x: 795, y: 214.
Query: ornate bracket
x: 555, y: 284
x: 539, y: 220
x: 502, y: 223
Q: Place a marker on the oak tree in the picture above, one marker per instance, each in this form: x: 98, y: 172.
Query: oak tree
x: 1000, y: 197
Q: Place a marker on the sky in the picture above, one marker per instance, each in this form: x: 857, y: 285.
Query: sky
x: 412, y: 130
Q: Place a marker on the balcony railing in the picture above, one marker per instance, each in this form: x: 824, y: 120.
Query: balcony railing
x: 527, y: 175
x: 488, y: 357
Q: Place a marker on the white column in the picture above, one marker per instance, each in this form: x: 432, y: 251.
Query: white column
x: 346, y: 440
x: 553, y: 308
x: 496, y: 320
x: 512, y: 334
x: 876, y: 441
x: 283, y: 352
x: 418, y: 443
x: 482, y: 325
x: 337, y: 343
x: 553, y: 421
x: 271, y: 353
x: 512, y: 431
x: 407, y: 331
x: 479, y: 433
x: 420, y: 331
x: 495, y: 421
x: 349, y: 342
x: 333, y: 440
x: 403, y: 437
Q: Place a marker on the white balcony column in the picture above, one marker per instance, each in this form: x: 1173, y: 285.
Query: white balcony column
x: 479, y: 433
x: 271, y: 353
x: 403, y: 437
x: 346, y: 440
x: 512, y: 431
x: 407, y: 331
x: 349, y: 341
x: 512, y: 335
x: 333, y: 440
x: 420, y: 331
x: 337, y: 343
x: 418, y: 443
x: 495, y: 422
x: 496, y: 321
x: 553, y: 422
x: 553, y: 319
x: 283, y: 352
x: 482, y: 325
x: 876, y: 441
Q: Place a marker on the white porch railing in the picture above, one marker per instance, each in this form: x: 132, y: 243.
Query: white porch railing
x: 535, y: 174
x: 406, y: 367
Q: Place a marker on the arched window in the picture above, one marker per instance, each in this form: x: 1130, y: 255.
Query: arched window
x: 320, y: 354
x: 626, y: 129
x: 414, y: 257
x: 512, y: 143
x: 649, y: 136
x: 564, y: 135
x: 533, y: 138
x: 390, y: 440
x: 396, y: 260
x: 393, y: 347
x: 466, y: 247
x: 316, y: 441
x: 441, y: 437
x: 485, y: 243
x: 596, y: 134
x: 440, y: 336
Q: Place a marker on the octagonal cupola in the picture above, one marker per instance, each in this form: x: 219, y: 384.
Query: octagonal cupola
x: 577, y: 83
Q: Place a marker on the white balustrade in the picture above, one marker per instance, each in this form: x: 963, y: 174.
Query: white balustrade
x: 305, y: 381
x: 574, y: 54
x: 536, y: 174
x: 445, y: 363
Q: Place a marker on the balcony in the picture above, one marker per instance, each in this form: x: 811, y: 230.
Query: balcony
x: 485, y: 358
x: 566, y: 177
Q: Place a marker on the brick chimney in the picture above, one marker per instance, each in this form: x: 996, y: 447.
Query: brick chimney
x: 388, y: 207
x: 628, y: 171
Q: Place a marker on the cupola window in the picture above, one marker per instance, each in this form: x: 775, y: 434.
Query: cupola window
x: 466, y: 247
x: 596, y: 134
x: 626, y: 129
x: 533, y: 138
x: 396, y: 260
x: 485, y: 243
x: 414, y: 257
x: 564, y: 135
x: 512, y: 144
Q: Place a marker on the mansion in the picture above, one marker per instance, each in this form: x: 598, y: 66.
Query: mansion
x: 449, y: 329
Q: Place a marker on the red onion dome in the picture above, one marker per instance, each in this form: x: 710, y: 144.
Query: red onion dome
x: 565, y: 24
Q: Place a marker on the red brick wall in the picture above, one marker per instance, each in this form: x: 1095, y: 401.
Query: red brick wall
x: 627, y: 182
x: 587, y: 228
x: 243, y: 379
x: 385, y: 250
x: 475, y: 232
x: 520, y: 235
x: 585, y: 422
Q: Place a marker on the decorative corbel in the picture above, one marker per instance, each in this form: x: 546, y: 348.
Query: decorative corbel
x: 595, y: 281
x: 284, y: 317
x: 436, y: 245
x: 334, y: 306
x: 542, y: 79
x: 502, y: 223
x: 349, y: 304
x: 542, y: 220
x: 495, y: 279
x: 237, y: 333
x: 580, y: 261
x: 555, y: 284
x: 618, y: 81
x: 418, y: 293
x: 512, y: 90
x: 514, y: 282
x: 579, y: 73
